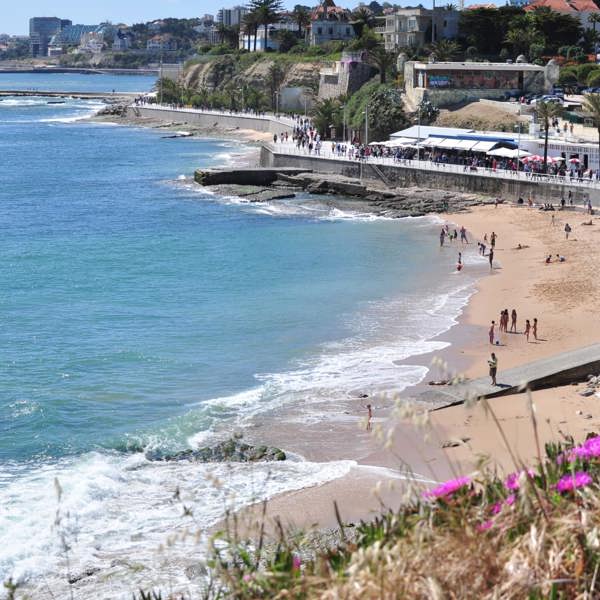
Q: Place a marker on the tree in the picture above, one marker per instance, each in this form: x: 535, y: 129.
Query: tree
x: 301, y: 16
x: 267, y: 13
x: 589, y: 39
x: 251, y: 24
x: 546, y: 112
x: 286, y: 39
x: 556, y: 29
x: 275, y: 77
x: 383, y: 59
x: 325, y: 114
x: 520, y: 37
x: 444, y: 50
x: 360, y: 19
x: 591, y: 104
x: 486, y: 28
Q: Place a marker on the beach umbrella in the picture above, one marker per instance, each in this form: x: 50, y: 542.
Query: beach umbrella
x: 574, y: 161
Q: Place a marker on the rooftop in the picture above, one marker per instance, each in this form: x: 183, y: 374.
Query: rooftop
x: 564, y: 6
x: 476, y: 66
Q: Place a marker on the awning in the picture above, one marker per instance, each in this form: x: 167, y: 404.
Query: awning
x: 431, y: 142
x: 449, y: 144
x: 508, y: 153
x: 465, y: 144
x: 483, y: 146
x: 399, y: 141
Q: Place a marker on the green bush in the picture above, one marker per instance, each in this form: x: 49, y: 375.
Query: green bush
x: 568, y: 76
x: 593, y: 79
x: 584, y: 71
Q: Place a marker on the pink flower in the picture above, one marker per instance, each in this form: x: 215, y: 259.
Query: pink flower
x: 447, y: 488
x: 572, y: 481
x: 496, y: 508
x: 485, y: 526
x: 510, y: 500
x: 589, y: 449
x: 512, y: 481
x: 296, y: 563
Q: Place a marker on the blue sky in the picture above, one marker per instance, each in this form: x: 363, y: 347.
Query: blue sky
x: 15, y: 14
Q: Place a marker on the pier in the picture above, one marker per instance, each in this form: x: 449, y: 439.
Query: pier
x: 116, y: 96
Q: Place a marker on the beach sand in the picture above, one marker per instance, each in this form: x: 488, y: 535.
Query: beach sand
x: 562, y: 296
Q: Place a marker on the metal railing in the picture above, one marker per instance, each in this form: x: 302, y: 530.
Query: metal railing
x: 326, y: 153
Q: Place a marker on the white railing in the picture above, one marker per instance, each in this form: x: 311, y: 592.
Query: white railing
x: 281, y: 119
x: 326, y: 153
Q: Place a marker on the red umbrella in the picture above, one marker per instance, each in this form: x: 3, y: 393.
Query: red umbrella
x: 574, y: 160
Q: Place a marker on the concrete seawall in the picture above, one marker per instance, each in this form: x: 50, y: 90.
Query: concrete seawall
x: 407, y: 176
x: 265, y: 124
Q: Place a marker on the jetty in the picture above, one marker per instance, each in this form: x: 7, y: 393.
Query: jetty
x: 114, y: 96
x: 574, y: 366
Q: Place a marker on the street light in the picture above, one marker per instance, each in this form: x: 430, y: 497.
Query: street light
x: 366, y: 111
x: 344, y: 123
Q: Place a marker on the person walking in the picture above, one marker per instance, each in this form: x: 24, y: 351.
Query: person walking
x: 493, y: 363
x: 492, y: 332
x: 534, y: 329
x: 491, y: 258
x: 493, y: 239
x: 567, y: 231
x: 513, y: 321
x: 527, y: 329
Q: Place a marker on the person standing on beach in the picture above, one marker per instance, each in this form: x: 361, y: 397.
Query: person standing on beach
x: 491, y: 258
x: 527, y: 329
x: 567, y: 231
x: 442, y: 236
x: 513, y: 321
x: 534, y: 329
x: 493, y: 239
x: 492, y: 331
x: 369, y: 416
x: 493, y: 363
x: 459, y: 265
x: 463, y: 235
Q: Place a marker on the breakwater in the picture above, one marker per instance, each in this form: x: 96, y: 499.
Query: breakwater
x: 414, y: 175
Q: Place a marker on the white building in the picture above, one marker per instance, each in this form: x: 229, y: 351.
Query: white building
x: 272, y: 43
x: 232, y: 16
x: 92, y: 42
x: 161, y: 43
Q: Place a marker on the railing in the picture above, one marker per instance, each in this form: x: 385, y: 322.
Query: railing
x: 284, y: 120
x: 325, y: 153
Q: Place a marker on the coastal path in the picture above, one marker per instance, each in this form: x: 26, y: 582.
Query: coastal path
x: 569, y: 367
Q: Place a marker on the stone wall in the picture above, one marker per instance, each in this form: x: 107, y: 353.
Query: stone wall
x: 266, y: 124
x: 405, y: 176
x: 344, y: 78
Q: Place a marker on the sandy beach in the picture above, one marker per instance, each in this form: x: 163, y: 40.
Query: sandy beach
x: 561, y: 295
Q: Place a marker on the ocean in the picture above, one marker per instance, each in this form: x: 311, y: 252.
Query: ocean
x: 140, y: 312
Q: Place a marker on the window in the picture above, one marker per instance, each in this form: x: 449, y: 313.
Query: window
x: 347, y: 30
x: 330, y: 31
x: 320, y: 30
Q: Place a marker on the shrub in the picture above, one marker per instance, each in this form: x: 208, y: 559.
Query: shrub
x: 593, y: 79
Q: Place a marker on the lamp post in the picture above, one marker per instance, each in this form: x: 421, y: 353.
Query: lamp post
x: 276, y: 103
x: 366, y: 125
x: 344, y: 123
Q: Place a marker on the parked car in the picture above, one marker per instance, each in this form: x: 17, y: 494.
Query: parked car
x: 546, y: 98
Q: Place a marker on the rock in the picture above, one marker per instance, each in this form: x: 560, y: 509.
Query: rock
x: 232, y: 450
x: 87, y: 572
x: 586, y: 392
x: 195, y: 571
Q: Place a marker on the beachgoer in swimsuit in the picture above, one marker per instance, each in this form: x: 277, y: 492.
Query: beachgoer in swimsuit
x: 369, y: 416
x: 534, y: 329
x: 567, y: 231
x: 513, y: 321
x: 491, y: 258
x: 442, y: 236
x: 493, y: 363
x: 491, y: 333
x: 527, y: 329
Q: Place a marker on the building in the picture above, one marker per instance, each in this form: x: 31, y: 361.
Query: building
x: 41, y: 31
x: 330, y: 23
x: 346, y: 76
x: 70, y: 37
x: 453, y: 83
x: 272, y: 43
x: 161, y: 43
x: 232, y: 16
x: 580, y: 9
x: 416, y: 27
x: 207, y: 30
x: 121, y: 42
x: 92, y: 42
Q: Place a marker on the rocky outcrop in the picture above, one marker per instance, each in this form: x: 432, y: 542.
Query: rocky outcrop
x: 232, y: 450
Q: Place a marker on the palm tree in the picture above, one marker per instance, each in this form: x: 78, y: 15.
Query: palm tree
x: 591, y: 103
x: 546, y: 112
x: 301, y: 17
x: 362, y: 17
x: 382, y: 59
x: 325, y: 114
x: 444, y: 50
x: 267, y: 13
x: 594, y: 19
x: 251, y: 24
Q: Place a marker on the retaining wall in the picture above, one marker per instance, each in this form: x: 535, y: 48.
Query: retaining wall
x: 405, y: 176
x: 265, y: 124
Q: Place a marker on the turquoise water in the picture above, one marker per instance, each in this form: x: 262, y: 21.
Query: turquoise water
x: 138, y: 311
x: 74, y: 82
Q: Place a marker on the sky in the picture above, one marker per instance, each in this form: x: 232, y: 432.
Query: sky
x: 15, y: 14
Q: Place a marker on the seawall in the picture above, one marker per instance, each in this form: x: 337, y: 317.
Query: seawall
x: 412, y: 176
x: 266, y: 124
